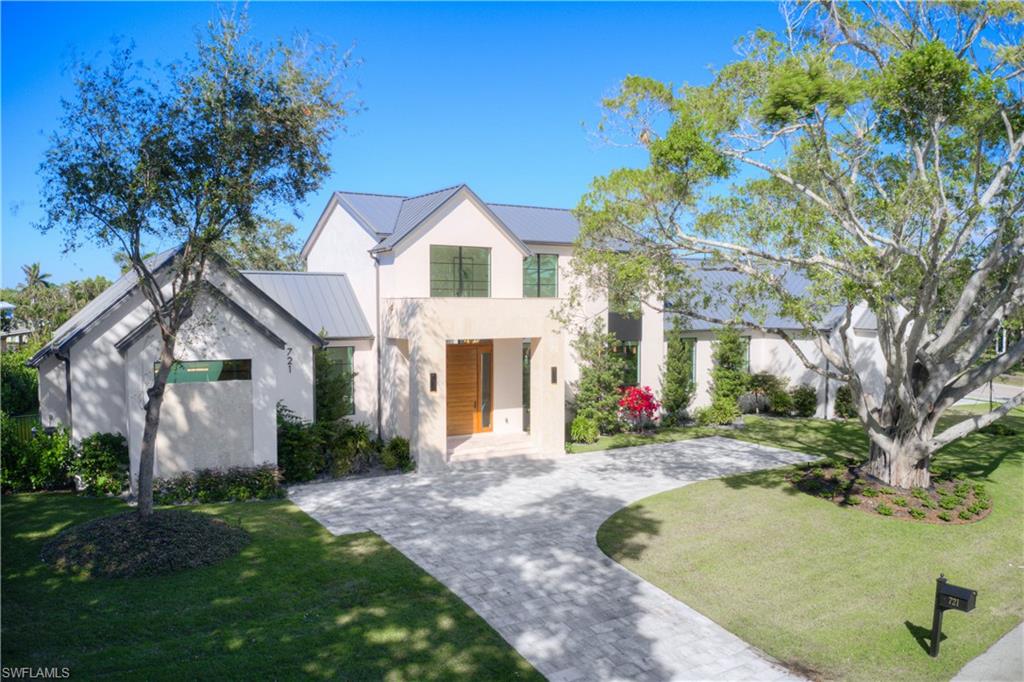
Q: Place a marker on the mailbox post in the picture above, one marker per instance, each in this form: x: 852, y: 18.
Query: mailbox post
x: 948, y: 597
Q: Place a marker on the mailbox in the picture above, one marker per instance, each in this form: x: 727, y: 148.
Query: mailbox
x: 948, y: 597
x: 953, y: 597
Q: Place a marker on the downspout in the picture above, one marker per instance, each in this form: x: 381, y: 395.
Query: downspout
x: 380, y: 343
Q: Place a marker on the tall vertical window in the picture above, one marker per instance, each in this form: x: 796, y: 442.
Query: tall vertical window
x: 337, y: 376
x: 540, y: 276
x: 460, y: 271
x: 690, y: 348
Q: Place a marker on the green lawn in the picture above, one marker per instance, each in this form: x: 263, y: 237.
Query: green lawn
x: 297, y: 602
x: 835, y: 592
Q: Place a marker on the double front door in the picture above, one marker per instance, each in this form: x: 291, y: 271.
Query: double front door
x: 470, y: 387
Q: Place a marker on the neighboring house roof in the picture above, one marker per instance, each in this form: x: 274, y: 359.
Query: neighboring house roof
x: 75, y: 326
x: 321, y: 301
x: 388, y: 217
x: 718, y: 282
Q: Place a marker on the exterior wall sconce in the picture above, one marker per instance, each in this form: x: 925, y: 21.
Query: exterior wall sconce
x: 433, y: 382
x: 554, y: 375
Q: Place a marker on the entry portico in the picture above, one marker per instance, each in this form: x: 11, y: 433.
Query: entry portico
x: 467, y: 362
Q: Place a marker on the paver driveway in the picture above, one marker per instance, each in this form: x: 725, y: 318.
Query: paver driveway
x: 516, y: 540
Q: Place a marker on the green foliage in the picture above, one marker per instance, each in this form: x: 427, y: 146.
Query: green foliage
x: 796, y: 89
x: 966, y: 514
x: 917, y: 513
x: 333, y: 379
x: 40, y: 462
x: 19, y: 385
x: 884, y: 509
x: 43, y: 308
x: 844, y: 403
x: 869, y: 492
x: 583, y: 430
x: 677, y: 383
x: 919, y: 86
x: 853, y: 500
x: 298, y: 447
x: 805, y: 400
x: 235, y: 484
x: 949, y: 502
x: 597, y: 391
x: 102, y: 463
x: 945, y: 516
x: 900, y: 502
x: 395, y: 455
x: 780, y: 402
x: 729, y: 373
x: 347, y: 448
x: 272, y: 245
x: 763, y: 387
x: 721, y: 411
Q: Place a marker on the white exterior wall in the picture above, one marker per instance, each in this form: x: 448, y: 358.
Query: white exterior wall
x: 507, y: 415
x: 53, y: 401
x: 364, y: 383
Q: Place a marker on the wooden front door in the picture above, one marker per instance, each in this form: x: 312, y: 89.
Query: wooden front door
x: 470, y: 368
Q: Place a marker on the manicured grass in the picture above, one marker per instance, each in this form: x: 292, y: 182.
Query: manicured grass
x: 296, y: 602
x: 835, y: 592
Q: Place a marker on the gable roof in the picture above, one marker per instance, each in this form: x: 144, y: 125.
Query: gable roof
x: 389, y: 218
x: 321, y: 301
x: 718, y: 281
x: 76, y: 325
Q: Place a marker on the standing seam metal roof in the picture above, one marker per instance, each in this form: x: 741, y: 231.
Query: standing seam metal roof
x: 392, y: 216
x: 321, y: 301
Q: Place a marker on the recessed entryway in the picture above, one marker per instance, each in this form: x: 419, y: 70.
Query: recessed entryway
x: 470, y: 387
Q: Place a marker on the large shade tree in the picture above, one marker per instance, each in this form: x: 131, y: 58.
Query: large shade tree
x: 191, y: 155
x: 875, y: 149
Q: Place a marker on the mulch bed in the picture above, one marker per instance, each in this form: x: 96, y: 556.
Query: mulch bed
x: 124, y: 545
x: 947, y: 501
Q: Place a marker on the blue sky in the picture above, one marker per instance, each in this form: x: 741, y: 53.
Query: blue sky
x: 493, y: 95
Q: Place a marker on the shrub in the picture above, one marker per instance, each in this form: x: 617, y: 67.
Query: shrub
x: 884, y: 509
x: 900, y: 502
x: 234, y: 484
x: 348, y: 448
x: 917, y: 513
x: 19, y: 385
x: 720, y: 411
x: 869, y: 492
x: 299, y: 451
x: 805, y: 400
x: 780, y: 402
x: 945, y: 516
x: 638, y: 406
x: 102, y: 463
x: 677, y: 384
x: 730, y: 376
x: 844, y: 403
x: 966, y: 514
x: 761, y: 386
x: 40, y: 462
x: 949, y: 502
x: 853, y: 500
x: 395, y: 455
x: 583, y: 430
x: 601, y: 370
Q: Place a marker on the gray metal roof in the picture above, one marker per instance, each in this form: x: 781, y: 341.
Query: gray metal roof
x: 715, y: 285
x: 321, y: 301
x: 392, y: 217
x: 94, y: 309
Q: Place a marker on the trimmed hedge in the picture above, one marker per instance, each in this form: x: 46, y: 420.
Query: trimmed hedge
x: 234, y: 484
x: 805, y: 400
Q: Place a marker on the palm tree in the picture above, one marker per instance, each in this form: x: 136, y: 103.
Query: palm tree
x: 34, y: 276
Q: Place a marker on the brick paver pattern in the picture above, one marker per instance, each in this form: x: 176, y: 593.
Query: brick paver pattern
x: 516, y: 540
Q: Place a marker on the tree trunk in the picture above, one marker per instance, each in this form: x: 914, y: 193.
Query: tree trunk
x: 153, y: 404
x: 905, y: 465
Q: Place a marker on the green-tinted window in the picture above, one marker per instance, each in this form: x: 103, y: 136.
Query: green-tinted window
x: 460, y: 271
x: 629, y: 351
x: 339, y: 360
x: 746, y: 353
x: 540, y: 276
x: 690, y: 346
x: 193, y: 371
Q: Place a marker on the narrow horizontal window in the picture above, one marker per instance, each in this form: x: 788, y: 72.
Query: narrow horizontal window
x: 195, y: 371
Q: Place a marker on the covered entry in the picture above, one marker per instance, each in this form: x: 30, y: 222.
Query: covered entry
x: 470, y: 387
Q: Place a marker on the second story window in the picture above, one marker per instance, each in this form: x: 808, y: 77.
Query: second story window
x: 460, y: 271
x: 540, y: 276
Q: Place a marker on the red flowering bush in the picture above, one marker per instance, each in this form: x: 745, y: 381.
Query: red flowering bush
x: 638, y: 406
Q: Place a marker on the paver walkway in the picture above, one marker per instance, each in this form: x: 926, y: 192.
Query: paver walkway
x: 516, y: 540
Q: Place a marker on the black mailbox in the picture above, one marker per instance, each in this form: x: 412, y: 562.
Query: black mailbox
x: 954, y: 597
x: 948, y: 597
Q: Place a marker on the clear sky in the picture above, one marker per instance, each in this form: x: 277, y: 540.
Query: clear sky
x: 493, y: 95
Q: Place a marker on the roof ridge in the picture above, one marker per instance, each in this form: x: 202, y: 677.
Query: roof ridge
x: 436, y: 191
x: 372, y: 194
x: 540, y: 208
x: 289, y: 272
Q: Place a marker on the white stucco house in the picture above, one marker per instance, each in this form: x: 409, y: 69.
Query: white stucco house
x: 442, y: 304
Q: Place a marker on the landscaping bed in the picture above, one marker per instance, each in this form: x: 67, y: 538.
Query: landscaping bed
x: 950, y: 499
x: 126, y: 545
